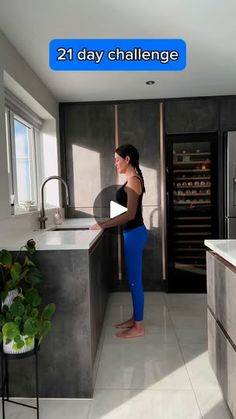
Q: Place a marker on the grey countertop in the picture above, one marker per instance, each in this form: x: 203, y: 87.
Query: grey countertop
x: 224, y: 248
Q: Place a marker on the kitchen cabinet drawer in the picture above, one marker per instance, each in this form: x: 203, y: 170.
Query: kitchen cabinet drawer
x: 221, y: 291
x: 223, y: 361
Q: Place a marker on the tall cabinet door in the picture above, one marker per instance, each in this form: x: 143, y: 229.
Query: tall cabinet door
x: 139, y: 124
x: 87, y: 150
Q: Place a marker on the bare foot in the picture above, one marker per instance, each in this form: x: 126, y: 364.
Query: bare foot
x: 133, y: 332
x: 127, y: 324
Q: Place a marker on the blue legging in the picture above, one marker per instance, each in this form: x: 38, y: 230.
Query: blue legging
x: 134, y: 242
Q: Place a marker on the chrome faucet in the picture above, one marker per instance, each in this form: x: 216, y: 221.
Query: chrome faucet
x: 42, y: 218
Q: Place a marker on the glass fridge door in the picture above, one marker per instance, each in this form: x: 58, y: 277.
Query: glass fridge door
x: 191, y: 212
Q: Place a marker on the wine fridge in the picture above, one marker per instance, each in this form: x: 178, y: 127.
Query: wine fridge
x: 192, y: 213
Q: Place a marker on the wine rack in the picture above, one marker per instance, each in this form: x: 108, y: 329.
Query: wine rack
x: 192, y: 199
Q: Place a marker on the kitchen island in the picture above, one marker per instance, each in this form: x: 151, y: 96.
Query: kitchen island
x: 76, y: 265
x: 221, y: 308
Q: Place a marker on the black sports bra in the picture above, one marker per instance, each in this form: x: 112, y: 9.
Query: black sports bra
x: 121, y: 197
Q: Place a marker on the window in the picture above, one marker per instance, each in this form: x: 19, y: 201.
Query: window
x: 22, y: 170
x: 22, y: 134
x: 31, y: 154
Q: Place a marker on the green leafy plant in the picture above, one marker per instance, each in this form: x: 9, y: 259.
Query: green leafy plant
x: 19, y: 271
x: 25, y: 318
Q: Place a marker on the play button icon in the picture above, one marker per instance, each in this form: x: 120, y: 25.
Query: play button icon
x: 106, y: 206
x: 116, y: 209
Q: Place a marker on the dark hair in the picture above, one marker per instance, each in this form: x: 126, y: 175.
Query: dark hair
x: 129, y: 150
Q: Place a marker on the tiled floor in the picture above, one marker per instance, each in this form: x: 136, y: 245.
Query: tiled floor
x: 165, y: 374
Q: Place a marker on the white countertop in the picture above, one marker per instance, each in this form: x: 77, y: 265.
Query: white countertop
x: 224, y: 248
x: 56, y: 240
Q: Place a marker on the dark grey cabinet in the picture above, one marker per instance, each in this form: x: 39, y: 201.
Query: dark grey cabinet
x: 100, y: 268
x: 77, y: 281
x: 221, y: 294
x: 228, y: 113
x: 191, y: 115
x: 87, y: 149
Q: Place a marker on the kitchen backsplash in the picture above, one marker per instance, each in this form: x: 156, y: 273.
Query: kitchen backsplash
x: 24, y: 222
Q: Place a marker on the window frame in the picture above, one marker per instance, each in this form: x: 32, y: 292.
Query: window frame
x: 34, y: 135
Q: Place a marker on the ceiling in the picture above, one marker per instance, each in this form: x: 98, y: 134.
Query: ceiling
x: 207, y: 26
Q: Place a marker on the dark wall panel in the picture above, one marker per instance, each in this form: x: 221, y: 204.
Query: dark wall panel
x: 228, y: 113
x: 191, y: 115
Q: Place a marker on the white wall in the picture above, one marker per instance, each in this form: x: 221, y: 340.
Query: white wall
x: 12, y: 64
x: 49, y: 148
x: 16, y: 66
x: 4, y: 189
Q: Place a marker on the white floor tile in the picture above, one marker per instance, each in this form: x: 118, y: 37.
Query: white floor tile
x: 212, y: 404
x: 198, y: 365
x: 157, y: 316
x: 185, y: 300
x: 191, y: 335
x: 190, y: 328
x: 195, y: 310
x: 130, y: 404
x: 129, y: 366
x: 120, y: 297
x: 185, y: 318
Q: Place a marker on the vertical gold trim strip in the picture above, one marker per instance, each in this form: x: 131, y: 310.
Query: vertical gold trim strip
x: 117, y: 179
x: 116, y: 131
x: 163, y: 194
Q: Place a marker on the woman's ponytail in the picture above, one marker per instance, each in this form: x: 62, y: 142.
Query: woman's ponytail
x: 139, y: 172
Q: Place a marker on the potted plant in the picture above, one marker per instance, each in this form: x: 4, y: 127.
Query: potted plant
x: 22, y: 315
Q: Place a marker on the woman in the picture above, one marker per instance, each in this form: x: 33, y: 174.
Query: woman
x: 134, y: 234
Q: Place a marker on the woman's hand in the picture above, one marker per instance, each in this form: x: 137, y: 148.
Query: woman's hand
x: 95, y: 227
